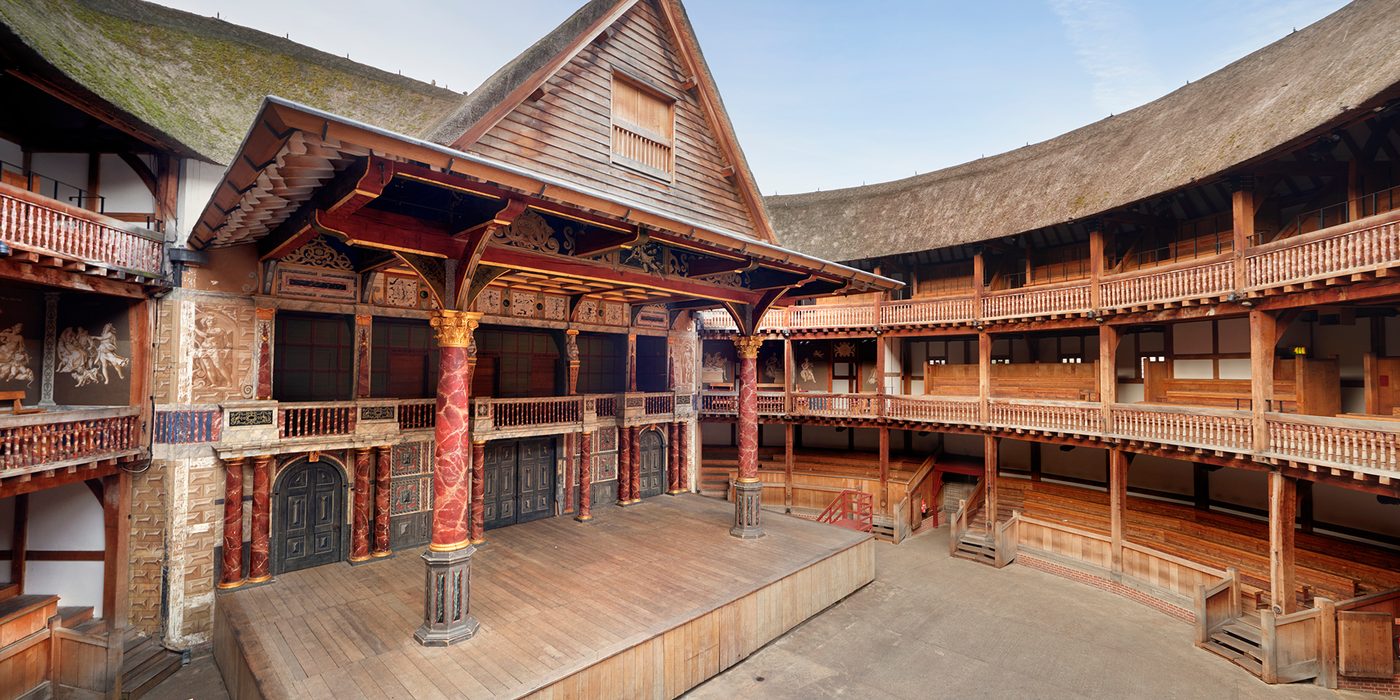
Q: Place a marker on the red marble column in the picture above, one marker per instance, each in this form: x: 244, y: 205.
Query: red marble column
x: 624, y: 464
x: 262, y: 332
x: 478, y: 492
x: 381, y: 501
x: 585, y: 477
x: 636, y: 474
x: 683, y: 473
x: 672, y: 453
x: 451, y: 462
x: 569, y: 463
x: 232, y: 571
x: 359, y: 521
x: 748, y: 490
x: 258, y: 566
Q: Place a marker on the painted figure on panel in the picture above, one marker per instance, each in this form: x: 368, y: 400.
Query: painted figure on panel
x: 210, y: 353
x: 14, y: 358
x: 806, y: 373
x: 87, y: 357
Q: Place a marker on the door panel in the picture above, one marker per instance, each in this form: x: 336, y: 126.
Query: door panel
x: 653, y: 464
x: 310, y: 504
x: 536, y: 465
x: 500, y: 493
x: 519, y: 476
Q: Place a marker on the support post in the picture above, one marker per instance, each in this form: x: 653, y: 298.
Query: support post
x: 1096, y: 246
x: 979, y: 283
x: 446, y: 601
x: 624, y: 465
x: 1117, y: 502
x: 363, y: 343
x: 748, y: 490
x: 585, y: 477
x: 572, y: 354
x: 631, y: 361
x: 1262, y: 339
x: 788, y: 458
x: 259, y: 568
x: 359, y: 522
x: 885, y: 470
x: 231, y: 574
x: 673, y: 458
x: 685, y: 458
x: 1242, y: 210
x: 984, y: 375
x: 1108, y: 373
x: 1283, y: 514
x: 384, y: 461
x: 116, y: 521
x: 990, y: 463
x: 787, y: 374
x: 636, y: 489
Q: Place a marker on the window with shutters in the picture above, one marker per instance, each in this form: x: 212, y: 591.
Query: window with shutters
x: 643, y: 129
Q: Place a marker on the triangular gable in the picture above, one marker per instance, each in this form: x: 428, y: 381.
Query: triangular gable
x: 552, y: 110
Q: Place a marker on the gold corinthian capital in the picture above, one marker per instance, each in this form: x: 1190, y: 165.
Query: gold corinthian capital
x: 454, y: 328
x: 748, y: 345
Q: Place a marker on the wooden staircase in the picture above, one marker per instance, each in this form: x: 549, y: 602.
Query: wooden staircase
x: 145, y: 663
x: 1240, y: 641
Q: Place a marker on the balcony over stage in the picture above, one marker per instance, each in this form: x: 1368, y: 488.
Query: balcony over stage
x: 565, y: 608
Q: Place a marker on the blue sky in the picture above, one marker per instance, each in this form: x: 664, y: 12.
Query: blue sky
x: 831, y: 93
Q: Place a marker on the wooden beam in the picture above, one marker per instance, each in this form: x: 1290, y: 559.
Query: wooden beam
x: 990, y: 463
x: 1117, y: 503
x: 1283, y: 514
x: 1108, y: 372
x: 1242, y: 210
x: 143, y: 171
x: 19, y: 541
x: 345, y: 194
x: 984, y: 374
x: 1261, y: 371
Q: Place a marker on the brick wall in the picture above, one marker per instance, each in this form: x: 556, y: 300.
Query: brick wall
x: 1379, y: 687
x: 1073, y: 574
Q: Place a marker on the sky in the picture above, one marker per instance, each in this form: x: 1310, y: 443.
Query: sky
x: 832, y: 93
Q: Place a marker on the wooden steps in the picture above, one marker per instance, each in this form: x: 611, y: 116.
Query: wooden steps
x: 8, y: 591
x: 1240, y: 641
x: 145, y: 663
x: 976, y: 546
x: 71, y: 616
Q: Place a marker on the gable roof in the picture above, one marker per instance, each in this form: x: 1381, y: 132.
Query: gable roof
x: 513, y: 84
x: 197, y: 82
x: 1308, y: 81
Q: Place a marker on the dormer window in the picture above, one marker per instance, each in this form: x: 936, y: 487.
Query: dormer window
x: 643, y: 129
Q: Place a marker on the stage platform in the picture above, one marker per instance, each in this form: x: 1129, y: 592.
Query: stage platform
x: 645, y: 601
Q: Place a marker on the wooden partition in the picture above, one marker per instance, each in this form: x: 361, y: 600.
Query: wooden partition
x: 1382, y: 382
x: 1304, y: 385
x: 1366, y: 634
x: 1034, y: 380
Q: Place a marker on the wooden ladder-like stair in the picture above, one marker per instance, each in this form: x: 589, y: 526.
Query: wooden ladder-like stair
x: 145, y: 663
x: 976, y: 546
x: 1239, y: 641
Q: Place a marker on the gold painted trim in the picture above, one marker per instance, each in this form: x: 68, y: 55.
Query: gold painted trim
x: 446, y: 185
x: 357, y: 560
x: 590, y: 222
x: 480, y: 541
x: 620, y: 284
x: 747, y: 480
x: 435, y: 547
x: 260, y: 579
x: 230, y: 586
x: 381, y: 554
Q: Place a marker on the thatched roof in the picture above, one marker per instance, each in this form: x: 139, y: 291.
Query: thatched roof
x: 1246, y: 110
x: 199, y: 81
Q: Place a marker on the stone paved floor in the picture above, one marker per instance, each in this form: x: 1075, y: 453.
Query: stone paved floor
x: 933, y: 626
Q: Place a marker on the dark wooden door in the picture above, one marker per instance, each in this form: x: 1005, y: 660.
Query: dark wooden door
x: 535, y: 467
x: 519, y: 482
x: 500, y: 491
x: 653, y: 464
x: 310, y: 514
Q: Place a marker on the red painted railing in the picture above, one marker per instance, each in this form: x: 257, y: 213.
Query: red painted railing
x: 1194, y: 279
x: 516, y: 413
x: 38, y: 439
x: 771, y: 403
x: 316, y: 419
x: 658, y: 404
x: 851, y: 509
x: 605, y: 406
x: 34, y: 223
x: 934, y: 410
x: 417, y: 415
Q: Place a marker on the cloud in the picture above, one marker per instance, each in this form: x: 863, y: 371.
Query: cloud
x: 1109, y: 44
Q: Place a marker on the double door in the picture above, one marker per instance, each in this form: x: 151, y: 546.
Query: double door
x: 519, y: 476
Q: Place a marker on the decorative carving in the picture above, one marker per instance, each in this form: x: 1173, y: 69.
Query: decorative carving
x: 652, y: 316
x: 844, y: 349
x: 377, y: 413
x: 714, y: 369
x: 248, y: 419
x: 455, y: 328
x: 726, y: 279
x: 683, y: 362
x: 648, y: 257
x: 209, y: 352
x: 556, y: 308
x: 571, y: 345
x: 318, y: 253
x: 84, y: 356
x: 317, y: 283
x: 748, y: 345
x: 401, y: 292
x: 772, y: 368
x: 14, y: 358
x: 524, y: 304
x: 531, y: 232
x: 805, y: 372
x: 491, y: 301
x: 614, y: 313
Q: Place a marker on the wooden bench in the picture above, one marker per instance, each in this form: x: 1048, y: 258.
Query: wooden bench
x: 1050, y: 381
x: 18, y: 407
x: 1301, y: 385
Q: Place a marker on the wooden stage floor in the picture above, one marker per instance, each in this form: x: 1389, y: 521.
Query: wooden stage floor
x: 646, y: 601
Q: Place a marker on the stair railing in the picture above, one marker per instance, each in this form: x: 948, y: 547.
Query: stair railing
x: 966, y: 507
x: 1006, y: 537
x: 1217, y: 605
x: 1289, y: 644
x: 850, y: 509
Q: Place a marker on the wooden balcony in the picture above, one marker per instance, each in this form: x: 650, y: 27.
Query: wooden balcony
x: 48, y: 232
x: 1358, y: 446
x: 68, y: 439
x: 1348, y: 253
x: 494, y: 419
x: 257, y: 427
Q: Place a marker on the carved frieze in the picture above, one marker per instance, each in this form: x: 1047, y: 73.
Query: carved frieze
x: 250, y: 419
x: 318, y: 253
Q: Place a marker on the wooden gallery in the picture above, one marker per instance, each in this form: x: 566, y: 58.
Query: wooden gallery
x: 363, y: 382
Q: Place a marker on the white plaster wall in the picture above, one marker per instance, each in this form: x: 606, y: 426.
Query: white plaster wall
x: 67, y: 518
x: 197, y: 182
x: 68, y: 168
x: 1234, y: 368
x: 1130, y: 393
x: 1349, y: 343
x: 122, y: 189
x: 1193, y: 369
x: 1339, y: 506
x: 893, y: 368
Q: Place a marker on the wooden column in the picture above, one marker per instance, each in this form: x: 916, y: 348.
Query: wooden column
x: 1096, y: 246
x: 359, y: 522
x: 788, y: 369
x: 384, y: 461
x: 885, y: 470
x: 585, y: 477
x: 880, y: 368
x: 231, y: 573
x: 979, y: 283
x: 1283, y: 513
x: 19, y: 546
x: 1242, y: 209
x: 572, y: 356
x: 1354, y: 190
x: 685, y: 458
x: 1108, y: 372
x: 990, y: 459
x: 748, y: 490
x: 1117, y: 502
x: 116, y: 524
x: 624, y: 465
x: 264, y: 329
x: 478, y: 519
x: 787, y: 467
x: 984, y: 375
x: 452, y: 467
x: 94, y: 183
x: 259, y: 547
x: 1262, y: 339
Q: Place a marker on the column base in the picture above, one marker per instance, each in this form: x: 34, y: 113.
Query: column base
x: 583, y: 518
x: 383, y: 554
x: 447, y: 618
x: 356, y: 561
x: 748, y: 496
x: 230, y: 585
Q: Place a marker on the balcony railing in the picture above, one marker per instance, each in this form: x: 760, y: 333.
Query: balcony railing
x: 39, y: 225
x: 1193, y: 279
x: 915, y: 312
x: 836, y: 405
x: 1362, y: 246
x: 1048, y: 300
x: 417, y: 414
x: 933, y: 410
x: 316, y: 419
x: 1371, y: 446
x: 1206, y: 428
x: 64, y: 438
x: 1077, y: 417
